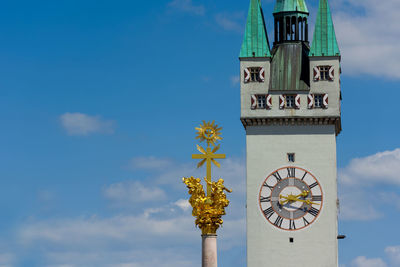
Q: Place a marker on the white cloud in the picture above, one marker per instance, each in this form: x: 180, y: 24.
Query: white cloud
x: 231, y: 21
x: 129, y: 258
x: 353, y: 206
x: 383, y: 167
x: 188, y: 6
x: 83, y: 124
x: 365, y: 262
x: 390, y: 198
x: 149, y: 163
x: 7, y: 259
x: 359, y: 199
x: 368, y: 36
x: 393, y: 253
x: 148, y: 236
x: 149, y: 239
x: 130, y: 192
x: 183, y: 204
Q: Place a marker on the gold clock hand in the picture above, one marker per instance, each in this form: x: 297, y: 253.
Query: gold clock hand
x: 303, y: 194
x: 293, y: 198
x: 307, y: 201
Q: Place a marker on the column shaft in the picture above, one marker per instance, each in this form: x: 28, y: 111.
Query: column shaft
x: 209, y: 251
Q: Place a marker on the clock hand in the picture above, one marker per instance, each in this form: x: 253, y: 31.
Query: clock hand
x: 307, y: 201
x: 293, y: 198
x: 303, y: 194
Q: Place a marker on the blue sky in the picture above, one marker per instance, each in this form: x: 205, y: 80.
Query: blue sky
x: 98, y: 104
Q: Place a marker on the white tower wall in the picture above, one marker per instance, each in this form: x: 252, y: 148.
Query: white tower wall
x: 315, y: 148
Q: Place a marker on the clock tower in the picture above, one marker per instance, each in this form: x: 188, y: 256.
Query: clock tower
x: 290, y: 109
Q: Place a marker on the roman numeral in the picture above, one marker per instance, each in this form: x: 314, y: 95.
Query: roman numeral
x: 277, y: 176
x: 317, y: 198
x: 269, y: 212
x: 313, y: 211
x: 278, y: 221
x: 269, y: 186
x: 292, y: 225
x: 305, y: 222
x: 313, y: 185
x: 265, y: 199
x: 304, y: 176
x: 291, y: 172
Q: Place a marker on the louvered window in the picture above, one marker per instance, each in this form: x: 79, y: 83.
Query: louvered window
x: 324, y: 72
x: 254, y: 74
x: 290, y: 101
x: 318, y: 101
x: 261, y: 101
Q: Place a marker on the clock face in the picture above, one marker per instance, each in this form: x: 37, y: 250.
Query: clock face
x: 291, y: 198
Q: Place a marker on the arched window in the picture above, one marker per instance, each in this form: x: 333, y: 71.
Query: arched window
x: 277, y: 31
x: 293, y: 29
x: 300, y: 27
x: 281, y: 31
x: 288, y: 33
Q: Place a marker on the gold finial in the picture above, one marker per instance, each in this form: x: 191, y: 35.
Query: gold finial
x: 209, y: 132
x: 208, y: 209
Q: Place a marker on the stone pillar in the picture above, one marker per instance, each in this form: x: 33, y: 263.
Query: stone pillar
x: 209, y: 250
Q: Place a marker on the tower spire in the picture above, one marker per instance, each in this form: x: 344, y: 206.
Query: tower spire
x: 324, y: 39
x: 255, y: 43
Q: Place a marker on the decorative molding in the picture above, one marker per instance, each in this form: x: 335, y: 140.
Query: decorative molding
x: 294, y: 121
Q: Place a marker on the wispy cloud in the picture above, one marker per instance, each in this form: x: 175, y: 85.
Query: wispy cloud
x: 353, y: 206
x: 231, y: 21
x: 392, y: 258
x: 357, y: 182
x: 7, y: 259
x: 98, y: 241
x: 151, y: 163
x: 183, y: 204
x: 235, y: 80
x: 368, y: 37
x: 382, y: 167
x: 365, y: 262
x: 393, y: 252
x: 147, y: 239
x: 187, y: 6
x: 130, y: 192
x: 80, y: 124
x: 149, y: 234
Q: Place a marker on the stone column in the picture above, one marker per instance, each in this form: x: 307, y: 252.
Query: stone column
x: 209, y: 250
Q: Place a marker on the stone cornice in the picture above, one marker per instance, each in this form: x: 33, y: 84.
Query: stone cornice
x: 293, y: 121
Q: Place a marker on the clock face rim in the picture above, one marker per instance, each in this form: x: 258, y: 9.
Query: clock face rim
x: 269, y: 176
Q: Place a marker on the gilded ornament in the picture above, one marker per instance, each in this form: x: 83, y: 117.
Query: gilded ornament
x: 208, y: 208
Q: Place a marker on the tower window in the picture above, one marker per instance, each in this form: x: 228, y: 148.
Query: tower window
x: 318, y: 101
x: 290, y: 101
x: 255, y: 74
x: 324, y: 72
x: 261, y: 101
x: 290, y: 157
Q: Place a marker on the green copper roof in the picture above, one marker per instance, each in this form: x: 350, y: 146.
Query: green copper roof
x: 255, y: 43
x: 290, y: 68
x: 324, y: 40
x: 290, y: 6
